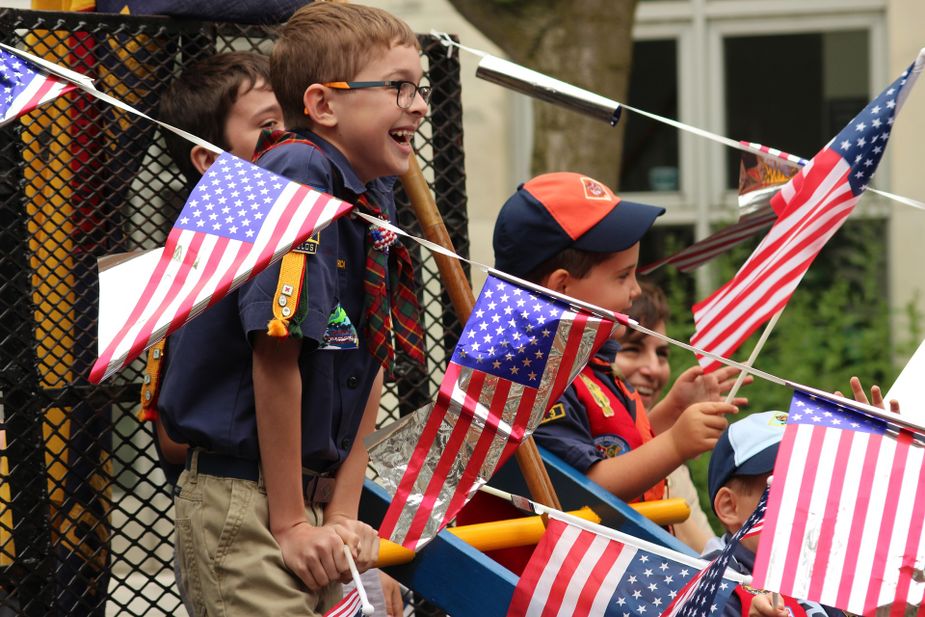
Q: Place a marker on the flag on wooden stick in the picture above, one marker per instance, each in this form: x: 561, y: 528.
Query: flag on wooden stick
x: 515, y: 357
x: 810, y: 209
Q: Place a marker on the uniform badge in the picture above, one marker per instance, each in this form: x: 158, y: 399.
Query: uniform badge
x: 340, y: 333
x: 555, y: 412
x: 596, y: 190
x: 611, y: 445
x: 600, y: 398
x: 310, y: 246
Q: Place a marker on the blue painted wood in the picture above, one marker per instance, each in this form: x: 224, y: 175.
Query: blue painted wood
x: 447, y: 572
x: 575, y: 490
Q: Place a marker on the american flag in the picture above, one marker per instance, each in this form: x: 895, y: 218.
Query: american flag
x: 25, y: 87
x: 575, y: 571
x: 518, y: 352
x: 810, y: 209
x: 699, y: 597
x: 349, y: 606
x: 238, y: 220
x: 845, y: 519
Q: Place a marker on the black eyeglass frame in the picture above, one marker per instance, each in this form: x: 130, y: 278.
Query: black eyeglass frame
x: 424, y: 91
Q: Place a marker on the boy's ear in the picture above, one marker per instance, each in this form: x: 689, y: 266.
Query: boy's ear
x: 725, y: 505
x: 557, y: 280
x: 201, y: 158
x: 318, y: 106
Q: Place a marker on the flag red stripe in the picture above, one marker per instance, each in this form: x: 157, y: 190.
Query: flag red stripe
x: 859, y: 517
x: 447, y: 458
x: 833, y: 499
x: 142, y: 340
x: 890, y: 505
x: 36, y: 99
x: 775, y: 499
x: 598, y: 576
x: 150, y: 289
x: 530, y: 578
x: 911, y: 552
x: 572, y: 344
x: 569, y: 566
x: 480, y: 452
x: 429, y: 434
x: 807, y: 490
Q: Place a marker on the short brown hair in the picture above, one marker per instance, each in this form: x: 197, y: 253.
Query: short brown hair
x: 576, y: 262
x: 328, y: 41
x: 199, y: 100
x: 650, y: 307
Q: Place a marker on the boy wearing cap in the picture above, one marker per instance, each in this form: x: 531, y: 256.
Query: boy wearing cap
x: 572, y: 234
x: 740, y: 466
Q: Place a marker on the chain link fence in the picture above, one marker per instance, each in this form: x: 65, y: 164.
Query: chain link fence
x: 86, y: 517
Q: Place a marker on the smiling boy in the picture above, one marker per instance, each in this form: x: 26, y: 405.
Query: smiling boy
x: 276, y: 421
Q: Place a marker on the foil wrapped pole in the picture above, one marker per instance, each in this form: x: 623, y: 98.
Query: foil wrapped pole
x: 546, y: 88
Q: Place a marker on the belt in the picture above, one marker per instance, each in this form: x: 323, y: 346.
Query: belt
x: 315, y: 488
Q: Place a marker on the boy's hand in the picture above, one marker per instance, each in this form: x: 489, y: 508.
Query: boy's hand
x: 692, y: 386
x: 699, y: 427
x: 763, y: 606
x: 360, y: 537
x: 314, y: 554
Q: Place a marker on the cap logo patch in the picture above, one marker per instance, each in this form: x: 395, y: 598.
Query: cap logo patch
x: 595, y: 190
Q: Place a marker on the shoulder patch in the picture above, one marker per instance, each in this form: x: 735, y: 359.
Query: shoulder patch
x: 556, y: 412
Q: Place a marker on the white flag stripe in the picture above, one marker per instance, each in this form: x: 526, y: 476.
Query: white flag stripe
x: 818, y: 506
x: 612, y: 580
x: 867, y: 550
x: 785, y: 520
x: 581, y: 576
x: 551, y: 572
x: 850, y: 485
x: 909, y: 485
x: 25, y: 97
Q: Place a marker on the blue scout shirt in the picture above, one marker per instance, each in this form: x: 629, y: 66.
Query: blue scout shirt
x: 207, y: 393
x: 568, y: 429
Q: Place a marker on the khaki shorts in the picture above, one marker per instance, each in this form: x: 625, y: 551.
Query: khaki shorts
x: 228, y: 562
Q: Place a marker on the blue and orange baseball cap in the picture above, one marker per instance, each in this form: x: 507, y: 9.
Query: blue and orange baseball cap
x: 561, y: 210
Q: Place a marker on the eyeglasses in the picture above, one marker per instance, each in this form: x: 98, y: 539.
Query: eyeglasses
x: 404, y: 97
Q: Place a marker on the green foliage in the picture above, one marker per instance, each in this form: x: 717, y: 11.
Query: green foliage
x: 837, y: 324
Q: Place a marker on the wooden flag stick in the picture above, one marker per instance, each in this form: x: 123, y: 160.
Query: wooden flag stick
x: 754, y: 355
x: 460, y: 291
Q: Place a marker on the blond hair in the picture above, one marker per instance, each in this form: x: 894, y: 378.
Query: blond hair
x: 329, y: 41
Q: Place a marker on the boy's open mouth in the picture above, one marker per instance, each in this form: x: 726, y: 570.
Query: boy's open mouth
x: 402, y: 137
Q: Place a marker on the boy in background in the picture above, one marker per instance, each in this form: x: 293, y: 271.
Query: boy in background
x: 572, y: 234
x: 275, y: 423
x: 226, y: 99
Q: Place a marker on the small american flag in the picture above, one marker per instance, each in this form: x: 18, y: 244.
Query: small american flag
x: 23, y: 87
x: 699, y: 597
x: 349, y: 606
x: 515, y: 357
x: 238, y: 220
x: 810, y: 209
x: 847, y: 506
x: 576, y: 572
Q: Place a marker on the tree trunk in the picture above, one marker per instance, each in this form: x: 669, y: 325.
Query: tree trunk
x: 587, y: 43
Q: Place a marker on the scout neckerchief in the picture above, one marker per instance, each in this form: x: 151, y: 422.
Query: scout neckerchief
x: 389, y: 307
